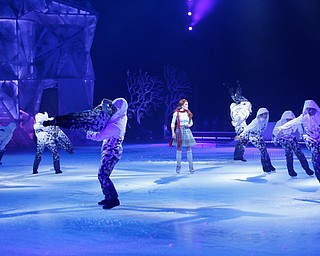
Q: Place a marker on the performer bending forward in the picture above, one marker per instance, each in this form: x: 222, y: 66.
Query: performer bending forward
x: 111, y: 151
x: 310, y: 119
x: 289, y: 142
x: 254, y: 133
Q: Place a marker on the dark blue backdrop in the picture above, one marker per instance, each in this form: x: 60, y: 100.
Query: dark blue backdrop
x: 271, y: 46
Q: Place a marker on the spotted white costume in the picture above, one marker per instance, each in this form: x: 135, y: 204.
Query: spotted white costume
x: 311, y: 131
x: 50, y: 137
x: 6, y: 133
x: 288, y: 139
x: 254, y: 133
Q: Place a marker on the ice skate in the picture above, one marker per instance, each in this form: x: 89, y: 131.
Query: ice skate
x: 103, y: 202
x: 292, y: 173
x: 111, y: 203
x: 240, y: 159
x: 178, y: 169
x: 309, y: 172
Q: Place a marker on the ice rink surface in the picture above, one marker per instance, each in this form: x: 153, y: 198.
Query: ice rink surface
x: 225, y: 208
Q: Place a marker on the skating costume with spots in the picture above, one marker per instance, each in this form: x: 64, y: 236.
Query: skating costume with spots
x: 49, y: 137
x: 311, y: 131
x: 289, y: 142
x: 254, y: 132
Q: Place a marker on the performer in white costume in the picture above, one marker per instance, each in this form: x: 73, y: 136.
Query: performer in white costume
x: 240, y: 110
x: 50, y: 137
x: 310, y: 119
x: 254, y: 133
x: 288, y: 139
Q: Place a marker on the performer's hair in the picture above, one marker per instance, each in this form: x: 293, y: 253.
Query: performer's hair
x: 180, y: 104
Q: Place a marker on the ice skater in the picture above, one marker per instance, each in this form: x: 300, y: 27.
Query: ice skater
x: 240, y: 110
x: 181, y: 134
x: 6, y: 133
x: 254, y: 133
x: 310, y: 119
x: 112, y: 136
x: 289, y: 142
x: 50, y: 137
x: 107, y: 122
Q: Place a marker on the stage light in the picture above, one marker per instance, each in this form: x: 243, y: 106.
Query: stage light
x: 189, y: 13
x: 190, y: 28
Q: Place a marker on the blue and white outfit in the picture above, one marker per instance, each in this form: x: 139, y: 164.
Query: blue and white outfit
x: 254, y: 133
x: 288, y: 139
x: 311, y: 131
x: 112, y: 136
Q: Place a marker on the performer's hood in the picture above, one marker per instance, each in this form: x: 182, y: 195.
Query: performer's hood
x: 262, y: 111
x: 122, y: 106
x: 310, y: 104
x: 40, y: 117
x: 287, y: 115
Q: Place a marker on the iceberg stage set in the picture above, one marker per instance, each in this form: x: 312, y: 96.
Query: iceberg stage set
x: 226, y: 207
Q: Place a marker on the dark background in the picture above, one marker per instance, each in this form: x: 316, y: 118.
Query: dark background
x: 271, y: 46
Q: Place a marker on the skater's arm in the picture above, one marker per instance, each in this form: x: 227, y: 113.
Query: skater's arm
x: 293, y: 123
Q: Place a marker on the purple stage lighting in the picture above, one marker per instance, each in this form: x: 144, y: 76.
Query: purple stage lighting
x: 198, y: 9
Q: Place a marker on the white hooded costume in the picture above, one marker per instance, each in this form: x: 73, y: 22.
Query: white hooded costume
x: 311, y: 131
x: 257, y: 126
x: 254, y: 132
x: 289, y: 142
x: 294, y: 131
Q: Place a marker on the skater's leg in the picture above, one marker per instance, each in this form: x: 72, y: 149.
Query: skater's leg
x: 302, y: 158
x: 239, y: 150
x: 264, y: 155
x: 37, y: 159
x: 190, y: 159
x: 178, y: 158
x: 55, y: 155
x: 315, y: 157
x: 111, y: 154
